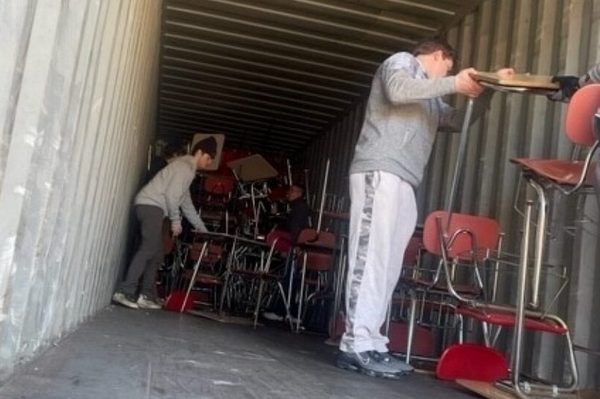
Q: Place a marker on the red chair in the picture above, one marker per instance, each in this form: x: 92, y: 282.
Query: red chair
x: 460, y: 239
x: 206, y: 275
x: 279, y: 243
x: 474, y: 239
x: 316, y: 249
x: 467, y: 240
x: 570, y: 175
x: 566, y: 176
x: 217, y: 195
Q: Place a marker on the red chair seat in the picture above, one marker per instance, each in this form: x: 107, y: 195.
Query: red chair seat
x: 558, y: 170
x: 507, y: 319
x: 472, y: 362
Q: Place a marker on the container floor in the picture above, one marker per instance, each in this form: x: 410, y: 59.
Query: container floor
x: 124, y: 353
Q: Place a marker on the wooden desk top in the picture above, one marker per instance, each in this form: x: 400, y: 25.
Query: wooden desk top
x: 521, y: 81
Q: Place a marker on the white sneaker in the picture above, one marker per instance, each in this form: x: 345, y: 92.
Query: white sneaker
x: 122, y: 299
x: 144, y: 302
x: 272, y: 316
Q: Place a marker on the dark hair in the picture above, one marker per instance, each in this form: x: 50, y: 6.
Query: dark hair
x: 429, y: 46
x: 207, y: 146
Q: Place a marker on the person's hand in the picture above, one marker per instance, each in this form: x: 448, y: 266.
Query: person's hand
x: 200, y: 229
x: 505, y: 73
x: 567, y: 86
x: 176, y: 228
x: 466, y: 85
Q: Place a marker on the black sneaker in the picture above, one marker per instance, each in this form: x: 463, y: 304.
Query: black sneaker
x: 393, y: 361
x: 367, y: 363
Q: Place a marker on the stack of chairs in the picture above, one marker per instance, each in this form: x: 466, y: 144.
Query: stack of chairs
x: 216, y: 203
x: 475, y: 242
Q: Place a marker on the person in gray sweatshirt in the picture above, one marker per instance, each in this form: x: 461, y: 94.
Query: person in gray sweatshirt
x: 163, y: 196
x: 403, y: 114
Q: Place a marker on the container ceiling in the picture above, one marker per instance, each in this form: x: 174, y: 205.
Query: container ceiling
x: 274, y: 74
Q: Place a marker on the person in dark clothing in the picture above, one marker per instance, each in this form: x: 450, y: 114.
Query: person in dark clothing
x: 297, y: 220
x: 569, y: 84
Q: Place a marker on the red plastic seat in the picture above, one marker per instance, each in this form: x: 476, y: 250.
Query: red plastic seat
x: 472, y: 362
x: 557, y: 170
x: 507, y: 318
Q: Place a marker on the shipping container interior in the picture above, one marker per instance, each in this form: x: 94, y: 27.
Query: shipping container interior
x: 91, y: 92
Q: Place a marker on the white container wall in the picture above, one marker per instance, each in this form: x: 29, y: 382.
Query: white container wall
x: 545, y: 37
x: 77, y: 110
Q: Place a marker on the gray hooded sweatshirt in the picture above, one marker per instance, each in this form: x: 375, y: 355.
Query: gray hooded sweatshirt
x: 170, y: 190
x: 403, y: 115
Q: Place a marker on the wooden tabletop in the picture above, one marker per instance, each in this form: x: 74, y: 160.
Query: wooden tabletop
x: 525, y: 81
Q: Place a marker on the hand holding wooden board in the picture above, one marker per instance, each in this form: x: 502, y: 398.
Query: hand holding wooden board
x: 517, y: 81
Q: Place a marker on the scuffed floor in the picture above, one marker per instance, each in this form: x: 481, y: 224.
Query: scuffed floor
x: 138, y: 354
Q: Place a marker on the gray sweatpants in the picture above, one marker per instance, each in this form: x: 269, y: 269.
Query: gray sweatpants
x: 149, y: 255
x: 383, y: 216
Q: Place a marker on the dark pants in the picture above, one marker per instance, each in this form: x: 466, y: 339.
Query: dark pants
x: 149, y: 255
x: 597, y: 183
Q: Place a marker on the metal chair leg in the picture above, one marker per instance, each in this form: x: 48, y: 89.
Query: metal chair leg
x: 411, y: 325
x: 193, y: 279
x: 257, y: 308
x: 286, y: 304
x: 301, y: 298
x: 388, y: 316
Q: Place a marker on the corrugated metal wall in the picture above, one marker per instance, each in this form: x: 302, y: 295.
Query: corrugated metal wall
x: 78, y: 97
x: 541, y: 37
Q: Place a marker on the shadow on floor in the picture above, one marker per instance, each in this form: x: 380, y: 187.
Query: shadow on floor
x: 124, y: 353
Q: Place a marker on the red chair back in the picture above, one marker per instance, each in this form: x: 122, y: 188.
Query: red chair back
x: 284, y: 240
x: 318, y: 261
x: 579, y: 122
x: 218, y: 185
x: 483, y: 230
x: 214, y: 253
x: 319, y: 246
x: 472, y: 362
